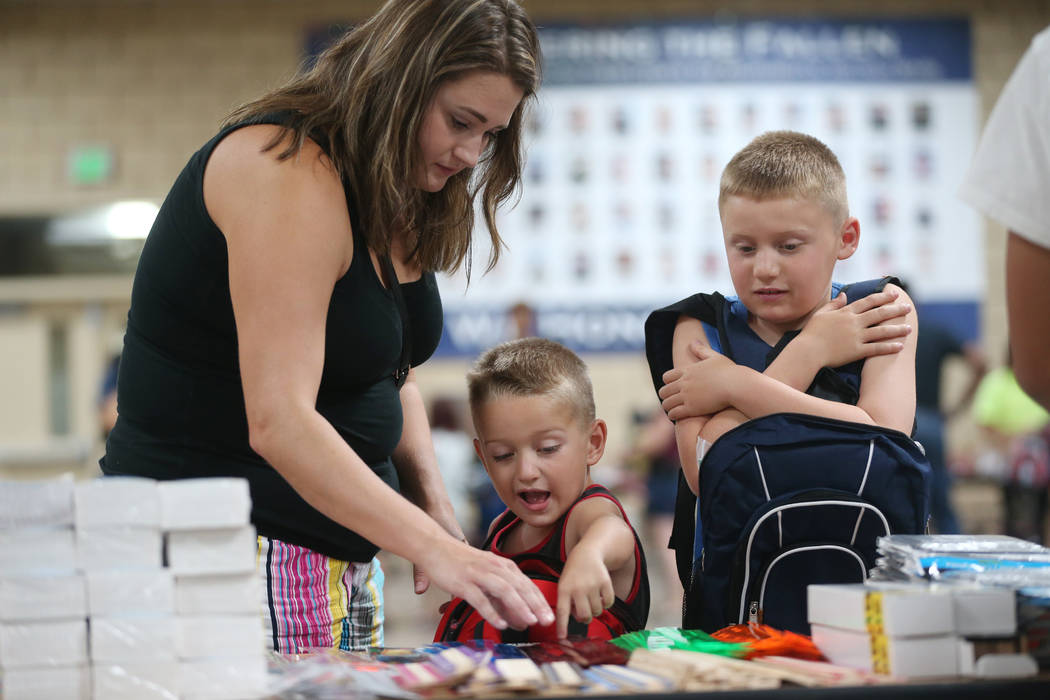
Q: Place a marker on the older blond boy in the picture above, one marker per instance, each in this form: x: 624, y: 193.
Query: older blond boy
x: 786, y: 223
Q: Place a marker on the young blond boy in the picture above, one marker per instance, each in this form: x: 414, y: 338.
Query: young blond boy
x: 537, y: 435
x: 785, y: 222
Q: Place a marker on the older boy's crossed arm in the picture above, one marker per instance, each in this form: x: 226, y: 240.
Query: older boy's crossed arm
x: 707, y: 394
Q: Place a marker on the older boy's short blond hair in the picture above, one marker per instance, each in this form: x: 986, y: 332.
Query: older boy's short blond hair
x: 532, y: 367
x: 781, y: 164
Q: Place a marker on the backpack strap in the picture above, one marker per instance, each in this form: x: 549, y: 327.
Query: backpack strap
x: 660, y: 325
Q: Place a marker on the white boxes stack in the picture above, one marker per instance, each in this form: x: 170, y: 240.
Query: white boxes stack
x: 211, y: 553
x: 88, y: 607
x: 914, y: 630
x: 43, y: 602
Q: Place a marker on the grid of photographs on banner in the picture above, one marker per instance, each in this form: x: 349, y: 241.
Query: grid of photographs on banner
x: 619, y: 198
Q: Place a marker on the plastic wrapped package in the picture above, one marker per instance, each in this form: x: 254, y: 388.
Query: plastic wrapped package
x: 131, y: 592
x: 135, y: 680
x: 49, y: 643
x: 331, y: 674
x: 220, y: 551
x: 42, y: 597
x: 137, y: 638
x: 37, y: 503
x: 37, y: 550
x: 200, y: 504
x: 117, y: 500
x: 221, y: 594
x: 65, y: 682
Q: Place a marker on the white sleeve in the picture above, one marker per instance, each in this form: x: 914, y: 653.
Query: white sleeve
x: 1009, y: 178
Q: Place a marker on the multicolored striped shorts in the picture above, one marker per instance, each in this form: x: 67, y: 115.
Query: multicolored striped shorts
x: 314, y: 601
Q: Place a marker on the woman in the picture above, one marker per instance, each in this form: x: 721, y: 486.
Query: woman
x: 287, y: 287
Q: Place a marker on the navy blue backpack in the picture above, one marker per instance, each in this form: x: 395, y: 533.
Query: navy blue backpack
x: 786, y: 500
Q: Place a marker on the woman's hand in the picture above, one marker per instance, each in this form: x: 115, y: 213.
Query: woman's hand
x: 701, y: 388
x: 845, y: 332
x: 492, y: 584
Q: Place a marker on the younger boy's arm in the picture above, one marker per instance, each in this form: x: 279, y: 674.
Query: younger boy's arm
x: 599, y: 562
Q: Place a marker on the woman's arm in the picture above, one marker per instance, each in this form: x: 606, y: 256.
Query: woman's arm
x: 418, y: 470
x: 288, y: 236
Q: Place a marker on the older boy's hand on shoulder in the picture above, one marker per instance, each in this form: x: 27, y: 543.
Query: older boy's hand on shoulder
x: 844, y: 331
x: 701, y: 388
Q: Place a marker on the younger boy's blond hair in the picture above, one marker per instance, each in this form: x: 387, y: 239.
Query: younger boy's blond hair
x: 532, y: 367
x: 781, y: 164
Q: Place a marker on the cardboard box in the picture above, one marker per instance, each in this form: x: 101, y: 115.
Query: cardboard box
x: 117, y: 500
x: 225, y: 551
x: 904, y: 610
x: 218, y: 594
x: 66, y: 682
x: 202, y: 636
x: 142, y: 638
x: 201, y: 504
x: 131, y: 592
x: 904, y: 657
x: 116, y: 548
x: 42, y: 597
x: 37, y: 550
x: 35, y: 644
x: 139, y: 680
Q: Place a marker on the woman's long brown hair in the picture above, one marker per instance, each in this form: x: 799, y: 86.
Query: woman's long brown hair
x: 366, y: 96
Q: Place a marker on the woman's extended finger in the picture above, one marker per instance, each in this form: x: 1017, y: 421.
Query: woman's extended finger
x: 534, y: 602
x: 480, y: 602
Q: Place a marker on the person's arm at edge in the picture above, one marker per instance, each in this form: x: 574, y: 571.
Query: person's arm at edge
x: 599, y: 554
x: 1027, y: 272
x: 288, y: 240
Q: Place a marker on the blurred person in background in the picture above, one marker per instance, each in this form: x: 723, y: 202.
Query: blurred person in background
x: 1009, y: 181
x: 656, y: 449
x: 1016, y: 428
x: 287, y: 289
x: 934, y: 347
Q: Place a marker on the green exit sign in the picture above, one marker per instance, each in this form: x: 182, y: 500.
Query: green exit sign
x: 90, y: 164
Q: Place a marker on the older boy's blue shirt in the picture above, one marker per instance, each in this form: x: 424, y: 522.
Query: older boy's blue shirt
x: 748, y: 348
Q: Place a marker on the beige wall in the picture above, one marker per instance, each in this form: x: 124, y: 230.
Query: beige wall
x: 152, y: 78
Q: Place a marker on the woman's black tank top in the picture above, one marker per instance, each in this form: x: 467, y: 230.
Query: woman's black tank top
x: 180, y: 401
